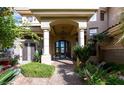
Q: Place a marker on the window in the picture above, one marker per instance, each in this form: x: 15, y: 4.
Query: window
x: 102, y: 14
x: 30, y: 18
x: 93, y: 31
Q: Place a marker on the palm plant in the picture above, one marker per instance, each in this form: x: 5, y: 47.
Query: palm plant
x: 121, y: 39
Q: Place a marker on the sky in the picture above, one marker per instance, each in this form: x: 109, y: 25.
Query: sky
x: 17, y: 18
x: 61, y: 3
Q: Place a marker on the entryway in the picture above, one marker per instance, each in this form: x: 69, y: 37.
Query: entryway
x: 28, y: 51
x: 62, y: 49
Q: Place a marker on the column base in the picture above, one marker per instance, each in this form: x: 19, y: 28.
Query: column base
x: 46, y: 59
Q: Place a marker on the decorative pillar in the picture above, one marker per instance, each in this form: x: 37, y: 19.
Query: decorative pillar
x: 29, y: 52
x: 81, y: 37
x: 46, y: 57
x: 46, y: 41
x: 20, y: 60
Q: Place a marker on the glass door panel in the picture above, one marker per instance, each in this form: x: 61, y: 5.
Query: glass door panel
x: 61, y: 48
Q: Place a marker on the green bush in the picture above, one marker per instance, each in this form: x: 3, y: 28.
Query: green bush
x: 121, y: 68
x: 114, y: 80
x: 83, y: 53
x: 14, y: 61
x: 37, y: 56
x: 36, y: 69
x: 93, y: 74
x: 99, y: 76
x: 8, y: 75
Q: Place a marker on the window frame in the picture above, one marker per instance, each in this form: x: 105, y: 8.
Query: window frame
x: 102, y: 15
x: 93, y: 33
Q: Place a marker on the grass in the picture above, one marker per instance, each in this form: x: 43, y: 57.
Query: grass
x: 36, y: 69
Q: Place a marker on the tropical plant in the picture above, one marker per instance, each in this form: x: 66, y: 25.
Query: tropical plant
x: 8, y: 75
x: 93, y: 74
x: 82, y: 53
x: 121, y: 39
x: 114, y: 80
x: 14, y: 60
x: 37, y: 56
x: 103, y: 75
x: 101, y: 37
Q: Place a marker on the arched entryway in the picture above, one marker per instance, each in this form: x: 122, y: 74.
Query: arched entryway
x: 62, y: 49
x: 63, y: 37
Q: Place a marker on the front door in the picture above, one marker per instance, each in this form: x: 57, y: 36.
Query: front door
x: 62, y: 49
x: 28, y: 51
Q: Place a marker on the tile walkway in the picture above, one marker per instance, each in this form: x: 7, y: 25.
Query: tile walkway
x: 64, y: 75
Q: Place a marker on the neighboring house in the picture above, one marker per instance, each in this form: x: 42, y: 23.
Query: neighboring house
x: 61, y: 30
x: 108, y: 20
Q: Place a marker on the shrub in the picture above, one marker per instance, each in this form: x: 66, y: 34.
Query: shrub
x: 80, y: 56
x: 110, y: 67
x: 114, y: 80
x: 93, y: 74
x: 14, y: 61
x: 35, y: 69
x: 83, y: 53
x: 100, y: 75
x: 37, y: 56
x: 8, y: 75
x: 121, y: 68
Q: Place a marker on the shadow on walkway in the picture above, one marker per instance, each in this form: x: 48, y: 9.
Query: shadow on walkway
x: 66, y: 69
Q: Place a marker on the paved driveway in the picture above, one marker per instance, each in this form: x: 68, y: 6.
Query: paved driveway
x: 64, y: 75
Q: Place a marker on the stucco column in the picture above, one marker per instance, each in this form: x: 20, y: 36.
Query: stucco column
x: 81, y: 37
x: 46, y: 42
x: 46, y: 57
x: 29, y: 52
x: 20, y: 60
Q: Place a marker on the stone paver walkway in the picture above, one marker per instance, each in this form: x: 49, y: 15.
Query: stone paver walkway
x: 64, y: 75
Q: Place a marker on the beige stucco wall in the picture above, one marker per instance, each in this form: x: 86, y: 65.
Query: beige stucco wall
x: 113, y: 51
x: 101, y: 25
x: 112, y: 16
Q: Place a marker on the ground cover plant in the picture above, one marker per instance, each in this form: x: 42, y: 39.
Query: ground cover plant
x: 35, y: 69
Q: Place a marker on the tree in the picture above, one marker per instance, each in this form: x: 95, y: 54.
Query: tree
x: 9, y: 31
x: 5, y: 11
x: 7, y: 28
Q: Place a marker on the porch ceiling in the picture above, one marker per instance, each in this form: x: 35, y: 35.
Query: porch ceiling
x: 36, y: 29
x: 63, y: 29
x: 63, y: 13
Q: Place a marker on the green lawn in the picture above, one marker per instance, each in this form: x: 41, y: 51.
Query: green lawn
x: 36, y: 69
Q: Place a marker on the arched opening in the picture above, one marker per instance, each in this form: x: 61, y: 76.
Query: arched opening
x: 63, y: 36
x: 62, y: 49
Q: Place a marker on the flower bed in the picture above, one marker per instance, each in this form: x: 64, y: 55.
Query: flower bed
x: 36, y: 69
x: 101, y: 75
